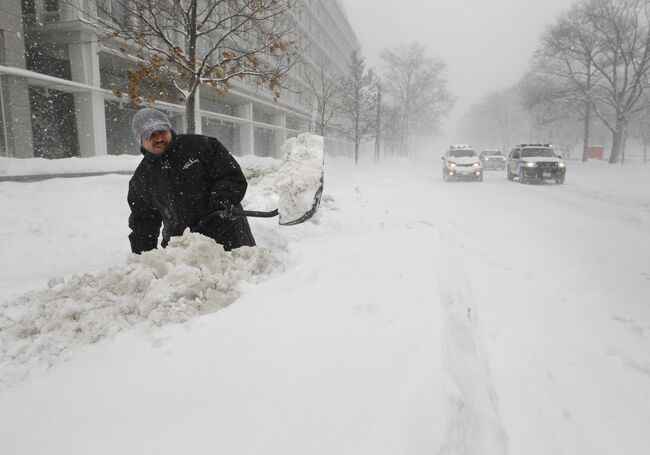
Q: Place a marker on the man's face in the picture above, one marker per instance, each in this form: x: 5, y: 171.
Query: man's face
x: 157, y: 142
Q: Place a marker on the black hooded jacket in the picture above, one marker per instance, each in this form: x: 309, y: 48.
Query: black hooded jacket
x: 195, y: 176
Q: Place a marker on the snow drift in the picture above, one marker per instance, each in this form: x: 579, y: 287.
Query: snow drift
x: 192, y: 276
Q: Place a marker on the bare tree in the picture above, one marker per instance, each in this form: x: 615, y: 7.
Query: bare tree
x: 184, y: 44
x: 322, y: 89
x: 623, y: 62
x: 358, y: 101
x: 565, y: 64
x: 556, y: 110
x: 605, y: 51
x: 415, y: 84
x: 640, y: 129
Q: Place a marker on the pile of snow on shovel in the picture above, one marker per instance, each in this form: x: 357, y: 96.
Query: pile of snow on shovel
x: 300, y: 176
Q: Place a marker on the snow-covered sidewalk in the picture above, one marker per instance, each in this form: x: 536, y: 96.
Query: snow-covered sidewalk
x: 41, y: 166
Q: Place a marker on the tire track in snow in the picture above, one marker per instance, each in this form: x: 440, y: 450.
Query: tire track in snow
x: 474, y: 425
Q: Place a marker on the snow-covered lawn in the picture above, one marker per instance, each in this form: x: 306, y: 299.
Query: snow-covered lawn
x: 411, y: 316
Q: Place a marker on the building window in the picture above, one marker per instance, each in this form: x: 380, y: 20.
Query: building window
x: 29, y: 6
x: 52, y: 6
x: 29, y: 12
x: 4, y: 127
x: 3, y: 59
x: 51, y: 10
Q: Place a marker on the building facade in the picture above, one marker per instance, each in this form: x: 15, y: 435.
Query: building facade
x: 57, y: 82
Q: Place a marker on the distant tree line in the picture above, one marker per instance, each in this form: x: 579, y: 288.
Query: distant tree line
x: 589, y: 78
x: 404, y: 101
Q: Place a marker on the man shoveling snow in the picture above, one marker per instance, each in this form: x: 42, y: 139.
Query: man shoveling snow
x: 192, y: 181
x: 181, y: 179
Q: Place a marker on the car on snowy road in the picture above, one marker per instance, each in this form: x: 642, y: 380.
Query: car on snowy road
x: 461, y: 162
x: 492, y: 159
x: 535, y: 163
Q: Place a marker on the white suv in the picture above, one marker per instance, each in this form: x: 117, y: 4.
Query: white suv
x: 535, y: 163
x: 461, y: 162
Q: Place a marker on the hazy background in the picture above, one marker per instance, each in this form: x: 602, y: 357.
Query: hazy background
x: 486, y: 44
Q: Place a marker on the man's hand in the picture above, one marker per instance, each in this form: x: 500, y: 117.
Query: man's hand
x: 225, y: 211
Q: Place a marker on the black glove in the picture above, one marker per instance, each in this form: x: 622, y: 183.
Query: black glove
x: 226, y: 211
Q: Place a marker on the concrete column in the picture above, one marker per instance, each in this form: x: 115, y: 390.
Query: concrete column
x: 89, y: 106
x: 14, y: 91
x: 280, y: 134
x: 17, y: 117
x: 246, y: 130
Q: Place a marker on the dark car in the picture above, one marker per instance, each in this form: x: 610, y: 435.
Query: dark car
x: 535, y: 163
x: 492, y: 159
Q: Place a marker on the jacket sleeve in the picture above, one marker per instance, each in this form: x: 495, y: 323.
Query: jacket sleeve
x: 227, y: 181
x: 144, y: 221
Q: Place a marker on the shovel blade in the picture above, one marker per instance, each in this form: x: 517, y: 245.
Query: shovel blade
x: 283, y: 221
x: 300, y: 178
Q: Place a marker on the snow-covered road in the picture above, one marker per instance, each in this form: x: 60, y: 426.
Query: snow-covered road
x: 413, y: 316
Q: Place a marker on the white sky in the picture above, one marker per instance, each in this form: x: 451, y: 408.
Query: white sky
x: 487, y: 44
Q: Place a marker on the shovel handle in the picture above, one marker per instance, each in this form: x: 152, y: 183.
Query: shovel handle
x: 236, y: 213
x: 256, y: 214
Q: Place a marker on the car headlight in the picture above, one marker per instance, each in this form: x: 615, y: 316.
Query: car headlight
x: 561, y: 165
x: 531, y: 164
x: 452, y: 164
x: 477, y: 165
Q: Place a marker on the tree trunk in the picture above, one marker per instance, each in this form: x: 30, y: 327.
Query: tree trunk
x: 585, y: 143
x: 617, y: 142
x: 190, y: 107
x: 623, y: 145
x: 378, y: 126
x: 585, y: 140
x: 357, y: 128
x: 190, y: 111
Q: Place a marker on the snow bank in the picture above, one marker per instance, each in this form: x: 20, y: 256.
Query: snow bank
x: 35, y: 166
x: 300, y: 177
x: 192, y: 276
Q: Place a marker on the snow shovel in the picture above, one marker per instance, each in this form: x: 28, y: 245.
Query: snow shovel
x: 283, y: 219
x: 299, y: 184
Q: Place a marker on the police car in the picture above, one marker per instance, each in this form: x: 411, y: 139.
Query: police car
x: 461, y: 162
x: 535, y: 162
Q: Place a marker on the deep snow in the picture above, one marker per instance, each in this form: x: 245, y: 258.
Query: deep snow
x: 410, y: 316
